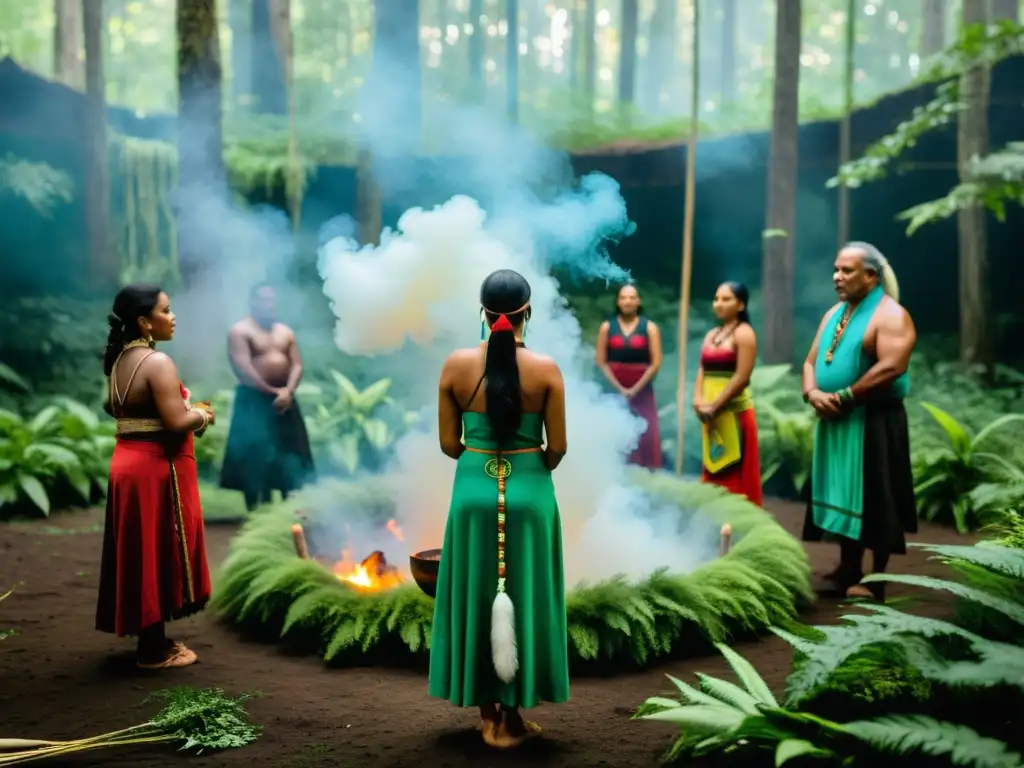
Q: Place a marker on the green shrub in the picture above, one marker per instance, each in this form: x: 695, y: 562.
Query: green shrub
x: 59, y: 456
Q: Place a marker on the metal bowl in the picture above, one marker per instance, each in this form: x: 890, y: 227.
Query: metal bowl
x: 424, y: 566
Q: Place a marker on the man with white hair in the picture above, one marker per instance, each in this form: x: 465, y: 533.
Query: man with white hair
x: 855, y: 378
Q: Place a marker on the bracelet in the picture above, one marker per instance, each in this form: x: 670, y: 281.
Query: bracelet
x: 845, y: 395
x: 206, y: 419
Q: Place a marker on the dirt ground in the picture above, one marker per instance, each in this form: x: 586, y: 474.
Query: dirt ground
x: 61, y: 679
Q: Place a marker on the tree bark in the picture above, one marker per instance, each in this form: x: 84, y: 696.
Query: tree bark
x: 933, y: 31
x: 778, y: 259
x: 627, y: 50
x: 270, y: 48
x: 661, y: 66
x: 240, y: 22
x: 201, y: 175
x: 68, y: 58
x: 103, y: 259
x: 727, y: 53
x: 972, y: 142
x: 1005, y: 10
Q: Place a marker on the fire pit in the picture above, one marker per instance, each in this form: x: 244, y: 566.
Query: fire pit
x: 424, y: 566
x: 358, y: 606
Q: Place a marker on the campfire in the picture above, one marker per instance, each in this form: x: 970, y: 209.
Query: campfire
x: 372, y: 574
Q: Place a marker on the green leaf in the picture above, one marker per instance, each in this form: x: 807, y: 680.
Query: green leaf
x: 790, y: 749
x: 9, y: 379
x: 373, y: 396
x: 1010, y: 609
x: 345, y: 452
x: 994, y: 426
x: 719, y: 718
x: 908, y: 734
x: 346, y: 389
x: 377, y: 434
x: 90, y: 420
x: 53, y: 454
x: 35, y: 492
x: 748, y: 676
x: 691, y: 694
x: 44, y: 419
x: 729, y: 693
x: 954, y: 430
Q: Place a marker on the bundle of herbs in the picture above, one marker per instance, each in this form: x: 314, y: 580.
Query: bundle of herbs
x: 193, y: 720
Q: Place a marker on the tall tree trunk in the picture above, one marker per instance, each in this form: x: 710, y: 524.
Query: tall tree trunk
x: 727, y: 54
x: 1005, y: 10
x: 627, y: 50
x: 103, y: 260
x: 512, y: 61
x: 201, y: 175
x: 240, y: 23
x: 475, y: 50
x: 933, y: 31
x: 972, y: 142
x: 394, y: 75
x: 778, y: 259
x: 850, y: 45
x: 661, y: 62
x: 68, y: 61
x: 268, y: 59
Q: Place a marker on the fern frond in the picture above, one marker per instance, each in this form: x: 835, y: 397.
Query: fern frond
x: 761, y: 581
x: 995, y: 557
x: 1007, y: 608
x: 819, y: 660
x: 729, y: 693
x: 909, y: 734
x: 749, y: 676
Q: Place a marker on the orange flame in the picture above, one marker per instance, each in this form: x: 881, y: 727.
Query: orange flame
x: 374, y: 573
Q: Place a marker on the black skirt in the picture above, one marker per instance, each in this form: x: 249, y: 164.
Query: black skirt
x: 265, y: 450
x: 889, y: 508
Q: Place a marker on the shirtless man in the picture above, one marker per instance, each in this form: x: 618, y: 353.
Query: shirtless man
x: 855, y: 378
x: 268, y: 447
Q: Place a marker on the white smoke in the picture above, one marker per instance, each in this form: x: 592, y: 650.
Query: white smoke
x: 422, y: 285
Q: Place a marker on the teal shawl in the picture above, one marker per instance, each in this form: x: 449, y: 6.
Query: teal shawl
x: 837, y: 477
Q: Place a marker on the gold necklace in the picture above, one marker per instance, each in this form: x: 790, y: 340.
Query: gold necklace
x: 139, y: 343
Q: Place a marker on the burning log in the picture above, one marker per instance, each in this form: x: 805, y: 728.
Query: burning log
x: 372, y: 573
x: 726, y: 539
x: 299, y: 539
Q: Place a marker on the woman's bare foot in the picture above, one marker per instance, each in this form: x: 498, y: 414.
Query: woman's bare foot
x: 177, y: 656
x: 490, y: 718
x: 511, y: 732
x: 866, y: 592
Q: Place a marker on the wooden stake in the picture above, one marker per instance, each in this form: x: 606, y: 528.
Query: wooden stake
x: 684, y: 293
x: 725, y: 540
x: 299, y: 539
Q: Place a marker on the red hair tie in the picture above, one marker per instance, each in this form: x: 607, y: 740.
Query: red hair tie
x: 501, y: 325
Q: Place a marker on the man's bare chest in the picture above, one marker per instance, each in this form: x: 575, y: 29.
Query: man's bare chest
x: 268, y: 342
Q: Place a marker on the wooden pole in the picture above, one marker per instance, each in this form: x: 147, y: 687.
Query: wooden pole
x: 684, y: 293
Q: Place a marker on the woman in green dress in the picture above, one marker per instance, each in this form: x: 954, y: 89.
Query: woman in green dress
x: 499, y: 635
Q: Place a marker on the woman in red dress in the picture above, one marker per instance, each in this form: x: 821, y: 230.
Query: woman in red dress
x: 722, y: 400
x: 154, y: 565
x: 629, y: 355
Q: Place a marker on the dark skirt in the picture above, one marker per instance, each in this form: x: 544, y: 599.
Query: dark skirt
x: 889, y: 509
x: 266, y: 450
